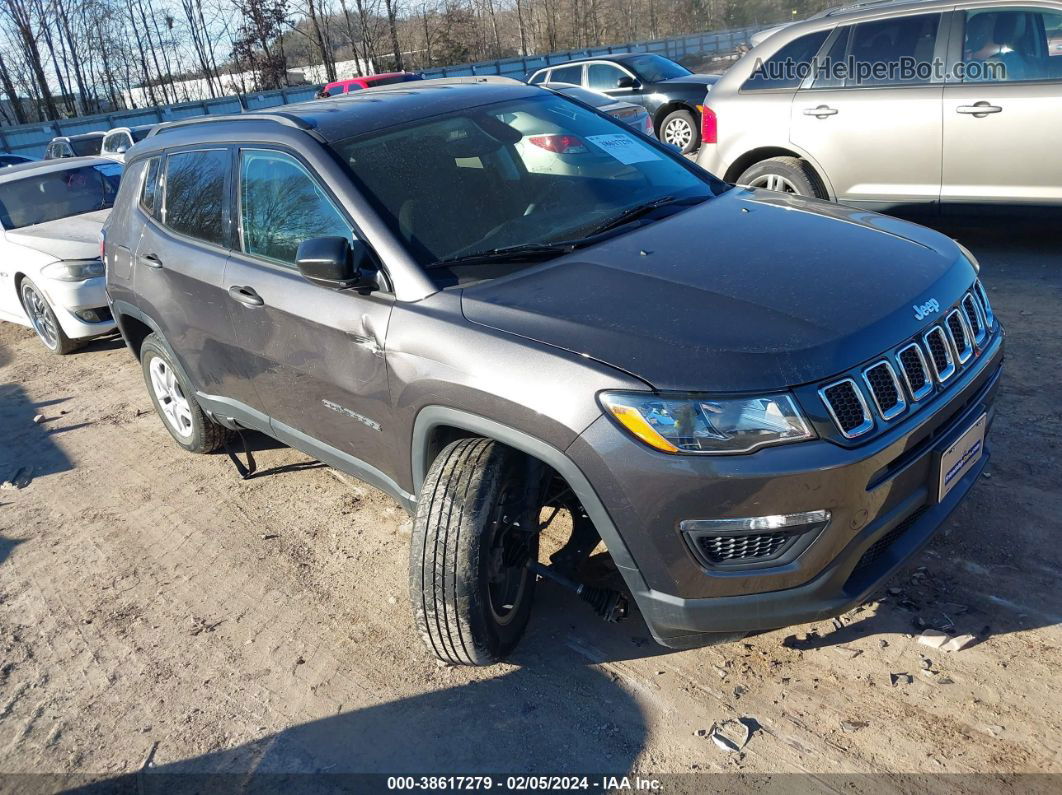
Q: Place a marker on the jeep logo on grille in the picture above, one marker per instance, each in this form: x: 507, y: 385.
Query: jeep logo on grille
x: 922, y: 311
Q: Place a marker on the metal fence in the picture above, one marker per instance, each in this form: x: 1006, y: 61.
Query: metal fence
x: 32, y: 139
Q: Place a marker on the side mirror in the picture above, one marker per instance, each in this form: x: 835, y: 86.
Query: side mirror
x: 336, y: 262
x: 627, y: 82
x: 122, y: 149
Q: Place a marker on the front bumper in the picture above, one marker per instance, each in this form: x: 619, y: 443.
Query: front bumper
x: 69, y: 298
x: 883, y: 491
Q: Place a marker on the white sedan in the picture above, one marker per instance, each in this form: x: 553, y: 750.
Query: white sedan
x: 51, y: 275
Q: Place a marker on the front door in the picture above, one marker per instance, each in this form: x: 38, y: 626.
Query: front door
x: 1003, y: 121
x: 316, y: 354
x: 875, y: 130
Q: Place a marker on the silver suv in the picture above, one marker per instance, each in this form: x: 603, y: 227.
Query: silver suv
x: 898, y: 103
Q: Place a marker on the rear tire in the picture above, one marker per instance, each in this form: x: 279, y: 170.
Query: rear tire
x: 679, y: 129
x: 175, y: 402
x: 43, y: 320
x: 786, y: 175
x: 474, y: 530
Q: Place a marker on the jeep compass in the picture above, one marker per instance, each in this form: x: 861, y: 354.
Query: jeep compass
x: 760, y: 404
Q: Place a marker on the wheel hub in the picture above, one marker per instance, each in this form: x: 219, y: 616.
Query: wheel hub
x: 774, y: 182
x: 678, y: 132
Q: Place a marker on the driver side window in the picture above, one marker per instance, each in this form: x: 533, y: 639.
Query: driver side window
x: 281, y: 205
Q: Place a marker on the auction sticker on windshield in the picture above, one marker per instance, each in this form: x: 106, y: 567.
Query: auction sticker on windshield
x: 624, y: 148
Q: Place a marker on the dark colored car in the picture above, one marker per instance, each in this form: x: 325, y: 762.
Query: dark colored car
x: 13, y: 160
x: 671, y: 93
x: 760, y: 429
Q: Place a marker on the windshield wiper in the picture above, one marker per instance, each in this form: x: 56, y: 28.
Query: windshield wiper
x: 522, y: 253
x: 640, y: 210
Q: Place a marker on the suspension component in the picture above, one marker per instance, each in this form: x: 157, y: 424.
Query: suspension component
x: 610, y: 605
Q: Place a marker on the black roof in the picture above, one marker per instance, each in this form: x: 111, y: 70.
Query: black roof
x: 347, y: 115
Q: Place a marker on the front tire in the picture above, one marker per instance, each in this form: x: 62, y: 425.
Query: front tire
x: 175, y: 401
x: 679, y: 129
x: 786, y: 175
x: 475, y: 529
x: 43, y: 320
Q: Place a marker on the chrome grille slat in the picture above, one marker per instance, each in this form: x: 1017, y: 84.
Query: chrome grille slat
x: 959, y: 335
x: 915, y: 371
x: 846, y: 404
x: 885, y: 389
x: 940, y: 355
x: 975, y: 318
x: 986, y: 306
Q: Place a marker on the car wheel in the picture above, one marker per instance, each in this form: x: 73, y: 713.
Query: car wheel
x: 786, y: 175
x: 43, y: 320
x: 474, y: 531
x: 175, y: 401
x: 679, y: 129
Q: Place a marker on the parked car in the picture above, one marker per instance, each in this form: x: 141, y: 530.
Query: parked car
x: 761, y: 429
x: 84, y: 145
x: 51, y: 274
x: 119, y: 140
x: 975, y: 120
x: 338, y: 87
x: 633, y: 115
x: 13, y: 160
x: 671, y: 93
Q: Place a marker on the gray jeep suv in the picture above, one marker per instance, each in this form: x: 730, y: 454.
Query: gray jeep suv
x: 761, y: 404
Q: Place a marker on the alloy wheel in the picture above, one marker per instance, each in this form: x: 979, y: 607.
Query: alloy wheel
x: 775, y: 182
x: 40, y: 316
x: 171, y: 399
x: 678, y: 132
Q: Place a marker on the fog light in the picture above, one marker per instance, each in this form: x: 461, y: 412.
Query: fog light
x: 755, y: 541
x: 98, y: 315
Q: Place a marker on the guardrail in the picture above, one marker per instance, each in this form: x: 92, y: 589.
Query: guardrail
x: 32, y: 139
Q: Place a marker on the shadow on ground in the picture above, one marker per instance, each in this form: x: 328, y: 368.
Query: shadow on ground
x: 521, y: 721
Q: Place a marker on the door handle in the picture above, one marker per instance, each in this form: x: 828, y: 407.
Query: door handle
x: 822, y: 111
x: 151, y: 261
x: 979, y: 109
x: 245, y: 295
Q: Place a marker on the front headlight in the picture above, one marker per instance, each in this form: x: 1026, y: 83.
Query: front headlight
x: 74, y: 271
x: 705, y: 425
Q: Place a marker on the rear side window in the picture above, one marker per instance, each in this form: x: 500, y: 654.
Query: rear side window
x: 539, y: 77
x: 196, y: 194
x: 568, y: 74
x: 149, y: 197
x: 788, y: 67
x: 1012, y: 44
x: 895, y: 51
x: 282, y: 205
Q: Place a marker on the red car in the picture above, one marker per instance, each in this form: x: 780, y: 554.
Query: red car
x: 372, y: 81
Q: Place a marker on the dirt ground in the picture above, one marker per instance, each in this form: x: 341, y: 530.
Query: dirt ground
x: 154, y: 607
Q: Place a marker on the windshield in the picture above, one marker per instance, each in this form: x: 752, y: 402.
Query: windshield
x: 48, y: 196
x: 526, y: 172
x: 653, y: 68
x: 140, y: 133
x: 86, y: 147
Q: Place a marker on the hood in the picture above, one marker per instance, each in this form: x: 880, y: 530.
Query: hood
x: 693, y: 81
x: 752, y: 290
x: 76, y: 237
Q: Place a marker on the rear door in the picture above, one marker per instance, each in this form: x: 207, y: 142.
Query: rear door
x: 870, y: 116
x: 179, y: 268
x: 317, y: 353
x: 1003, y: 113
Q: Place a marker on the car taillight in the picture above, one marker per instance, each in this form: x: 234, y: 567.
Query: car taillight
x: 709, y: 126
x: 561, y: 144
x: 647, y: 122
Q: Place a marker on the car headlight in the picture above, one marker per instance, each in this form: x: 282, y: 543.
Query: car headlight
x: 969, y: 255
x: 705, y: 424
x: 75, y: 271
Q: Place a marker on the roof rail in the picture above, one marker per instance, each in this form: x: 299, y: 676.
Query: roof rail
x: 280, y: 117
x: 831, y: 12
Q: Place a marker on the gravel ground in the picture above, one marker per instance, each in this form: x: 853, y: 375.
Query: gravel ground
x: 152, y: 604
